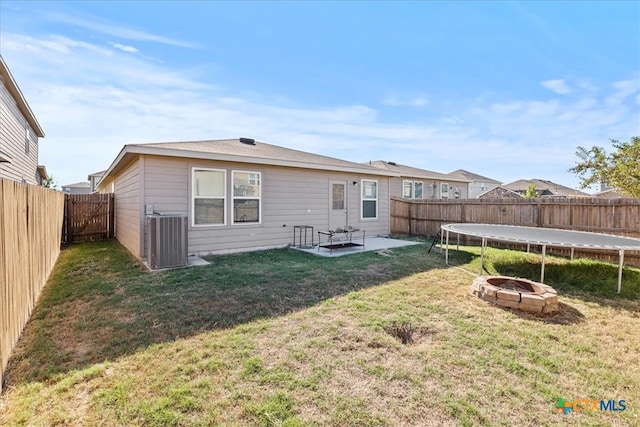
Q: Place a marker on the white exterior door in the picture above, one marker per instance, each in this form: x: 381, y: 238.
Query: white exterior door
x: 337, y: 204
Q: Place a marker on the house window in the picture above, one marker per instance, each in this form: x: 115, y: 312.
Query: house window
x: 209, y: 195
x: 246, y: 197
x: 369, y: 199
x: 412, y: 189
x: 417, y: 190
x: 444, y: 190
x: 407, y: 189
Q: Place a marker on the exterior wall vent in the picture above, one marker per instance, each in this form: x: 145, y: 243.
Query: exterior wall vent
x: 248, y: 141
x: 167, y: 241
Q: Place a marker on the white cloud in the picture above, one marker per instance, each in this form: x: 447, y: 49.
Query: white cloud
x: 99, y: 25
x: 398, y: 101
x: 125, y: 48
x: 558, y: 86
x: 91, y: 101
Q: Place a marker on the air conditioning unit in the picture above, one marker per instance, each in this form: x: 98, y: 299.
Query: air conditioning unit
x: 167, y: 241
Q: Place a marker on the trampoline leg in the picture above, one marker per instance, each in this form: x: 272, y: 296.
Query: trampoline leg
x: 620, y: 269
x: 484, y: 243
x: 446, y: 250
x: 544, y: 251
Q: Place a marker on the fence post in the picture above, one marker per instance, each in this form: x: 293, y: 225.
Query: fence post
x: 112, y: 209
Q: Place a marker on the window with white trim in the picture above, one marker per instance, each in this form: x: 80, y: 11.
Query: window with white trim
x: 444, y: 190
x: 407, y: 189
x: 412, y: 189
x: 209, y: 196
x: 369, y: 199
x: 246, y: 196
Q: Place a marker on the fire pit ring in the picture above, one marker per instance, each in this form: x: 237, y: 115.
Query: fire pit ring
x: 518, y: 293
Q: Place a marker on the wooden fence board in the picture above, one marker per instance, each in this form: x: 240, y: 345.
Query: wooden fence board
x: 609, y: 216
x: 88, y: 217
x: 30, y: 224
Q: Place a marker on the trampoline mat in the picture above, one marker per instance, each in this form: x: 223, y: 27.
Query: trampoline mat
x: 545, y: 236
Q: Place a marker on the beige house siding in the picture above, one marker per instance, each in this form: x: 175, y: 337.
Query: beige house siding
x: 128, y: 219
x: 290, y: 196
x: 23, y: 165
x: 427, y: 187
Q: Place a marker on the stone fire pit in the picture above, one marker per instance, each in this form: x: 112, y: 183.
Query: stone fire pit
x: 523, y: 294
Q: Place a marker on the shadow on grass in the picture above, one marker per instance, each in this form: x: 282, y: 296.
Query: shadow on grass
x: 100, y: 304
x: 566, y: 315
x: 590, y: 281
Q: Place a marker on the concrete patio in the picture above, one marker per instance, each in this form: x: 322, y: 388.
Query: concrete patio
x: 370, y: 244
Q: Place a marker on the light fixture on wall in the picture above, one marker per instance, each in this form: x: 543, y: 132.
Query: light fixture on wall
x: 355, y: 182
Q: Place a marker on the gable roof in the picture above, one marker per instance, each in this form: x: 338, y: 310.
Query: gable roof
x: 409, y: 171
x: 545, y: 188
x: 21, y: 102
x: 243, y: 150
x: 500, y: 192
x: 465, y: 174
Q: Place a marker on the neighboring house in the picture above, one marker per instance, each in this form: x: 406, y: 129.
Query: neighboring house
x: 545, y: 188
x: 239, y: 194
x: 94, y: 179
x: 611, y: 193
x: 77, y: 188
x: 41, y: 175
x: 478, y: 184
x: 414, y: 183
x: 500, y: 192
x: 19, y: 133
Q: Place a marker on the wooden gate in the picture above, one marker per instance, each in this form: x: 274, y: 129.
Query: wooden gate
x: 87, y: 217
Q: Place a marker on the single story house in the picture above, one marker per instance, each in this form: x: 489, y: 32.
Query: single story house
x: 241, y: 194
x: 545, y: 188
x: 478, y: 184
x: 76, y: 188
x: 414, y: 183
x: 500, y: 192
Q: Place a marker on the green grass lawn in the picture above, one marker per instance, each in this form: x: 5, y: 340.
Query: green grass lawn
x: 284, y: 338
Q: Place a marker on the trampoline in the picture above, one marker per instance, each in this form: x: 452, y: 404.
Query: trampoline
x: 543, y: 237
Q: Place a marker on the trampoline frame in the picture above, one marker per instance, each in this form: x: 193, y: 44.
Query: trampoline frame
x: 492, y: 232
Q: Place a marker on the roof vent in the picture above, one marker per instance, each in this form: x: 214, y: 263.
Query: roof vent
x: 248, y: 141
x: 392, y: 163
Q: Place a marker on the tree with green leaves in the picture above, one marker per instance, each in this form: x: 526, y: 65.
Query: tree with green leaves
x: 531, y: 192
x: 619, y: 169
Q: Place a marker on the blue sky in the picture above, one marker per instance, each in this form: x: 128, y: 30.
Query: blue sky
x: 504, y: 89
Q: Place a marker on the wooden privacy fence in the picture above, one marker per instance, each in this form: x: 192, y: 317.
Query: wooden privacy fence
x: 30, y: 222
x: 87, y: 217
x: 609, y: 216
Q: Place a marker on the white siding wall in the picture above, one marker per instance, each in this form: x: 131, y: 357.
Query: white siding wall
x: 127, y: 208
x: 23, y: 166
x: 289, y: 197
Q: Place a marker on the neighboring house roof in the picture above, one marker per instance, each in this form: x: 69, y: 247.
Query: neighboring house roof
x: 42, y: 172
x: 242, y: 150
x: 545, y: 188
x: 98, y: 174
x: 470, y: 176
x: 500, y: 192
x: 21, y: 102
x: 611, y: 193
x: 409, y: 171
x: 77, y: 185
